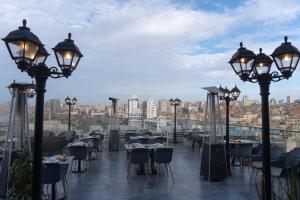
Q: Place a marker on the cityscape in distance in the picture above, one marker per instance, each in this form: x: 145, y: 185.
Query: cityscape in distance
x: 157, y: 114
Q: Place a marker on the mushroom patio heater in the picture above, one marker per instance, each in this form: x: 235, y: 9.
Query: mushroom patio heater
x: 213, y: 157
x: 18, y: 137
x: 114, y: 136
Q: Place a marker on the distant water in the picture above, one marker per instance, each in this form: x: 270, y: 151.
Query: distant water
x: 4, y: 117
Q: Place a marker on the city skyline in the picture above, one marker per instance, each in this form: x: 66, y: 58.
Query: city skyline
x: 159, y: 49
x: 287, y: 99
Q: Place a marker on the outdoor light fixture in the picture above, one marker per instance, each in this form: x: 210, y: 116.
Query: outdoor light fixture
x: 29, y: 54
x: 70, y: 103
x: 228, y: 95
x: 27, y: 88
x: 175, y: 102
x: 257, y: 68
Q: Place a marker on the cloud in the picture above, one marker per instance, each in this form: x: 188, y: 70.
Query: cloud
x: 157, y: 48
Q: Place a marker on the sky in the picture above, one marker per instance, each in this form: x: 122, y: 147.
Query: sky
x: 152, y: 48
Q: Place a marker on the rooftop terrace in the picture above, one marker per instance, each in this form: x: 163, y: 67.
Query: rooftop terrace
x: 106, y: 180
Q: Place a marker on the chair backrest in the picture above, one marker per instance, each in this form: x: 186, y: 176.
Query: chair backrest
x: 79, y: 152
x: 154, y: 140
x: 162, y: 139
x: 163, y: 155
x: 138, y: 156
x: 188, y: 136
x: 257, y: 149
x: 234, y: 149
x: 95, y: 142
x: 196, y: 137
x: 128, y: 135
x: 276, y: 152
x: 131, y: 141
x: 245, y: 149
x: 51, y: 173
x: 193, y: 135
x: 144, y: 140
x: 291, y: 157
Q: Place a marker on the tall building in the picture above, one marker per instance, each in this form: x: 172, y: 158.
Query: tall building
x: 134, y: 113
x: 248, y: 102
x: 133, y: 105
x: 289, y: 99
x: 281, y: 101
x: 54, y: 105
x: 273, y: 101
x: 149, y: 109
x: 164, y: 106
x: 245, y: 101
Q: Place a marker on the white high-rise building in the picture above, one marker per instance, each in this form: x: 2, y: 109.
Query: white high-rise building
x: 246, y: 101
x: 151, y: 109
x: 134, y: 113
x: 289, y: 99
x: 133, y: 105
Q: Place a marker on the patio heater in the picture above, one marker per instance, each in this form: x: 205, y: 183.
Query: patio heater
x: 213, y: 156
x: 114, y: 136
x: 18, y: 137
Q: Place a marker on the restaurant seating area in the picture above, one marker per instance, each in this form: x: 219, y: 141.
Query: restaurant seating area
x: 107, y: 178
x: 150, y: 166
x: 74, y: 158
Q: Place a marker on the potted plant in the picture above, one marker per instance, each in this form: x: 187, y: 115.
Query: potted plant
x: 20, y: 177
x: 292, y: 192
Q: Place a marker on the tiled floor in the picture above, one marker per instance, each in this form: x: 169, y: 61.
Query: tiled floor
x: 106, y: 180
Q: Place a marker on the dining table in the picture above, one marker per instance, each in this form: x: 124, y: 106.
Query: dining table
x: 142, y: 137
x: 62, y: 160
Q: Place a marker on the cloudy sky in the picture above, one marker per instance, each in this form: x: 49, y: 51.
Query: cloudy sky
x: 152, y: 48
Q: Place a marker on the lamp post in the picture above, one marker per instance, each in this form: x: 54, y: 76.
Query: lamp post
x: 70, y: 103
x: 256, y: 68
x: 228, y: 95
x: 175, y: 102
x: 29, y: 54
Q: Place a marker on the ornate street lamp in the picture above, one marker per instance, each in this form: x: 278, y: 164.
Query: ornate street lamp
x: 228, y: 96
x: 70, y: 103
x: 175, y: 102
x: 29, y: 54
x: 256, y: 68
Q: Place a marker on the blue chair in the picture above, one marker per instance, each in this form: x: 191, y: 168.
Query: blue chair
x: 196, y: 138
x: 64, y: 172
x: 80, y: 153
x: 51, y: 175
x: 284, y: 167
x: 138, y: 156
x: 277, y: 152
x: 164, y: 156
x: 242, y: 152
x: 95, y: 145
x: 162, y: 139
